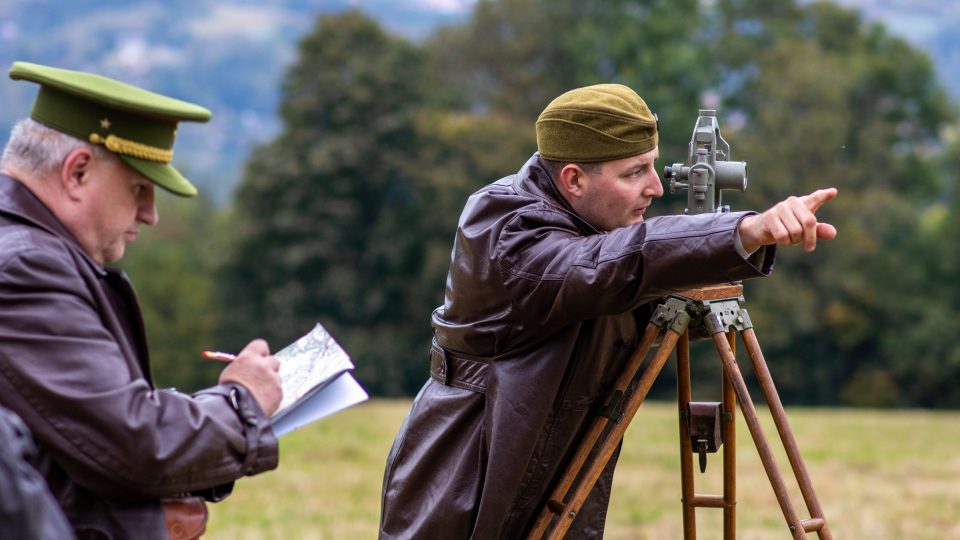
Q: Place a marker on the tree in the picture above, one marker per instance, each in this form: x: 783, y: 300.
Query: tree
x: 329, y: 217
x: 513, y: 56
x: 171, y: 269
x: 842, y: 318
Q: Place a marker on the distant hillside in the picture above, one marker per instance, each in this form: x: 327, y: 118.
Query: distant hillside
x: 929, y: 25
x: 230, y: 56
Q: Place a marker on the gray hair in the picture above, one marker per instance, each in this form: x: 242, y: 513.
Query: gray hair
x: 41, y: 150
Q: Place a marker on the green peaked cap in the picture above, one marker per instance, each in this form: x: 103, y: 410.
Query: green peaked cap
x: 137, y: 125
x: 596, y: 123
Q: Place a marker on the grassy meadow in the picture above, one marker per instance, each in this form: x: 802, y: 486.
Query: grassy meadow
x: 879, y: 475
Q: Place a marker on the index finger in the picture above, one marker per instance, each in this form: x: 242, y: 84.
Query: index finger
x: 258, y: 347
x: 816, y: 199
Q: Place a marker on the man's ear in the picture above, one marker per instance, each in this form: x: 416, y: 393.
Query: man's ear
x: 75, y: 171
x: 572, y: 181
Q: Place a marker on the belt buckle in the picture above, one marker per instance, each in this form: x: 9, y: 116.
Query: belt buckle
x: 440, y: 364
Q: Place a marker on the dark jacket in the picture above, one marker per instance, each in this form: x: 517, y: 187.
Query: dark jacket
x: 74, y: 366
x: 541, y: 313
x: 27, y: 509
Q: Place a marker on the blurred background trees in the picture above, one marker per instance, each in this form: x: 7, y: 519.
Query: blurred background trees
x: 327, y: 217
x: 347, y: 216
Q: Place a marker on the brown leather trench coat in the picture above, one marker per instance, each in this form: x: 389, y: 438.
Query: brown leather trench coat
x: 541, y: 313
x: 74, y: 367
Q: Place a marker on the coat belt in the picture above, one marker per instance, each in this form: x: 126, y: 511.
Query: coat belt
x: 458, y: 369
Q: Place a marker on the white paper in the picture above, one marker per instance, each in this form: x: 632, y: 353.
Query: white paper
x: 316, y: 380
x: 338, y: 395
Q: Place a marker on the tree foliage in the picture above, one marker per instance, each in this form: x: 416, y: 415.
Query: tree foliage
x: 171, y: 268
x: 347, y: 216
x: 837, y: 317
x: 326, y: 218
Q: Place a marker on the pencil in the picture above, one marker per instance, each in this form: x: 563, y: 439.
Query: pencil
x: 217, y: 355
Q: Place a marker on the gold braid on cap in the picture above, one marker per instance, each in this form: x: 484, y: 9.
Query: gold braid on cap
x: 119, y: 145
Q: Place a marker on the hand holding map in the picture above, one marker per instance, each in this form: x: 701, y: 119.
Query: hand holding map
x: 316, y: 379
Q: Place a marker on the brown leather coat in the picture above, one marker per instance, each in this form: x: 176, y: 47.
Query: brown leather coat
x: 540, y: 315
x: 74, y: 366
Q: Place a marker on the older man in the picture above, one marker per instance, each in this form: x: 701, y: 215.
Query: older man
x: 552, y: 274
x: 78, y: 182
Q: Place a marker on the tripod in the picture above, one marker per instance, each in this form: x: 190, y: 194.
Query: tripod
x: 719, y: 310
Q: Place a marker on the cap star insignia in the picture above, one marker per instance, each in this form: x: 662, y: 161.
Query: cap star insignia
x: 105, y: 123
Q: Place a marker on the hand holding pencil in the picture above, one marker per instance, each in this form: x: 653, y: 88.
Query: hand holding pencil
x: 256, y: 369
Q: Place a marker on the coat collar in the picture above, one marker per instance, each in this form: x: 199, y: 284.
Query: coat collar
x: 534, y: 179
x: 18, y: 202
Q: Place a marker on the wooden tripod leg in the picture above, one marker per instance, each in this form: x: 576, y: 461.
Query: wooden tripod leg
x: 690, y: 499
x: 729, y: 405
x: 565, y: 512
x: 589, y: 440
x: 818, y: 522
x: 756, y: 431
x: 684, y: 394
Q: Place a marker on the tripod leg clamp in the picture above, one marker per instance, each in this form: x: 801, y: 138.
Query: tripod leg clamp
x: 614, y: 408
x: 727, y: 314
x: 672, y: 315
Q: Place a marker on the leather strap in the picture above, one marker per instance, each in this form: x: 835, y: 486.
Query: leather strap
x: 458, y: 369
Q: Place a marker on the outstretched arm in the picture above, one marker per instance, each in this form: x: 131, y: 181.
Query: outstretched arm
x: 790, y: 222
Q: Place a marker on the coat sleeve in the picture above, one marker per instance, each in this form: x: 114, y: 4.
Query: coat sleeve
x: 547, y: 263
x: 91, y: 408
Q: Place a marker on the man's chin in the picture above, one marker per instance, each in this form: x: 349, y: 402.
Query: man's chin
x: 114, y: 255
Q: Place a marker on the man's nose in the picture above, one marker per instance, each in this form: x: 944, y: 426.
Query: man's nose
x: 147, y: 211
x: 149, y: 214
x: 655, y: 187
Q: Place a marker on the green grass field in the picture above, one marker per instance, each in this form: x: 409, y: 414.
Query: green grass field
x: 879, y: 475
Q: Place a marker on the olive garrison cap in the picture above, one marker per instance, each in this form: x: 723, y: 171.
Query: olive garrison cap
x: 137, y: 125
x: 596, y: 123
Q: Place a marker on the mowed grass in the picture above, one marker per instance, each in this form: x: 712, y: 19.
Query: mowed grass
x: 879, y: 475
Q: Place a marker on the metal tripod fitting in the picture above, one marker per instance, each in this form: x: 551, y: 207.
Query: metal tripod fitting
x: 672, y: 315
x: 727, y: 315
